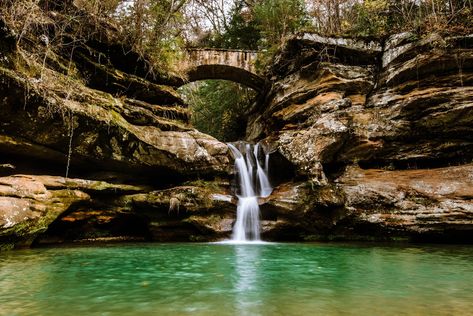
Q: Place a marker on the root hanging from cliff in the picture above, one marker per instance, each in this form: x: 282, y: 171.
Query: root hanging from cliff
x: 71, y: 135
x: 460, y: 61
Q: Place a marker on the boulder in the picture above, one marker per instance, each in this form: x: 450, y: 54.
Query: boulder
x: 414, y: 204
x: 198, y: 211
x: 27, y: 208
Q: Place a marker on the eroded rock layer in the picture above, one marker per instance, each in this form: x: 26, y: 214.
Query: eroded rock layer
x: 380, y: 134
x: 370, y: 140
x: 94, y: 109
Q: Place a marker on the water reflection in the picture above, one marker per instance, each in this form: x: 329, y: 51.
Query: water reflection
x: 247, y: 291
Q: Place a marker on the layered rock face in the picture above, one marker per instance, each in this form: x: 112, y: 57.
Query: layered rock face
x: 94, y: 109
x: 371, y: 141
x: 380, y: 134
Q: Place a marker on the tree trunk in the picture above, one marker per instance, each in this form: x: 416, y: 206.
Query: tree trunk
x: 139, y: 8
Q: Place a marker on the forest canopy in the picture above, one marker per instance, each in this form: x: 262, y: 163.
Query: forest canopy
x: 161, y: 28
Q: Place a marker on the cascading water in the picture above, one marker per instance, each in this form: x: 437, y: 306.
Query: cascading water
x: 253, y: 183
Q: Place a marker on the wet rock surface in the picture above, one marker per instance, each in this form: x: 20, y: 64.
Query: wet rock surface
x: 27, y: 208
x: 41, y: 210
x: 428, y: 203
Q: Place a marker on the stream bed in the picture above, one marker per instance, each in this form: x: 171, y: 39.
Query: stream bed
x: 238, y: 279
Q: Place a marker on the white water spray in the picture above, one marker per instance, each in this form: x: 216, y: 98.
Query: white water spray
x: 262, y: 173
x: 253, y: 183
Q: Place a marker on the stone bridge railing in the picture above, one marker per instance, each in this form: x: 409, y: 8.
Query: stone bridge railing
x: 233, y: 65
x: 244, y: 59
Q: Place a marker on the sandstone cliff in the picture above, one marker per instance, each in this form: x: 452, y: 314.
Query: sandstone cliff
x: 85, y: 124
x: 370, y: 140
x: 380, y: 134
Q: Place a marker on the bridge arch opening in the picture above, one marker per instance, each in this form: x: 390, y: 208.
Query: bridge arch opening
x: 229, y: 73
x: 219, y: 108
x: 221, y: 87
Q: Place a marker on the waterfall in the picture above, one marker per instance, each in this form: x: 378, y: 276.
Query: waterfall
x: 253, y: 183
x: 262, y: 174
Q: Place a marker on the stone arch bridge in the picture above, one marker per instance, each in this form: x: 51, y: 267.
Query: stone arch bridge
x: 234, y: 65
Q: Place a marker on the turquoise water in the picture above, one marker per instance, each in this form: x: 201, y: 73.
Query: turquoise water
x: 218, y: 279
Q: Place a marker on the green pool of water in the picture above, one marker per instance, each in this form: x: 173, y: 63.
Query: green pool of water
x: 218, y: 279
